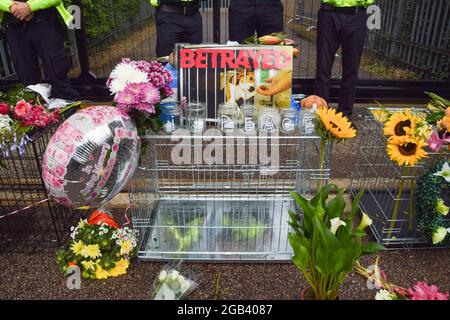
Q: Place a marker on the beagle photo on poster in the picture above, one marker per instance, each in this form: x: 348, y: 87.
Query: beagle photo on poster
x: 239, y: 86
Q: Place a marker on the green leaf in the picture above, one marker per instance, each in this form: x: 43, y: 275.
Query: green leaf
x: 371, y: 247
x: 355, y: 203
x: 338, y: 260
x: 335, y: 207
x: 301, y: 255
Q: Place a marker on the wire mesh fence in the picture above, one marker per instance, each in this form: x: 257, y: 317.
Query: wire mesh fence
x: 412, y: 43
x: 389, y: 189
x: 29, y: 220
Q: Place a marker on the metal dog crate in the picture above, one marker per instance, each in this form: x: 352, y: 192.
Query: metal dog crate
x: 236, y: 210
x: 381, y: 179
x: 41, y: 226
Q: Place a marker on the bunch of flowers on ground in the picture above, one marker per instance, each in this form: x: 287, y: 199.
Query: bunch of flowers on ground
x: 99, y: 248
x: 388, y: 291
x: 138, y: 88
x: 172, y: 285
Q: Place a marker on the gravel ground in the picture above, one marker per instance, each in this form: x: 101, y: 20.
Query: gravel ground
x: 37, y: 277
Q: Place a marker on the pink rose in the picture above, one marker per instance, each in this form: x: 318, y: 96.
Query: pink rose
x: 115, y: 147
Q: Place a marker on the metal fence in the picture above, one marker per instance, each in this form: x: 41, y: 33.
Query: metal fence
x: 413, y: 42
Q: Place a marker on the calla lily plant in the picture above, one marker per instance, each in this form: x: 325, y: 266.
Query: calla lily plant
x: 325, y: 241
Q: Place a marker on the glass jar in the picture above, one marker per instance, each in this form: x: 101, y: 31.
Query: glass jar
x: 170, y: 116
x: 288, y: 119
x: 228, y: 116
x: 269, y: 120
x: 249, y: 122
x: 195, y: 116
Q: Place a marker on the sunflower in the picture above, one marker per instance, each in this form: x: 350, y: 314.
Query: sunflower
x: 400, y: 124
x: 406, y: 150
x: 77, y: 247
x: 335, y: 123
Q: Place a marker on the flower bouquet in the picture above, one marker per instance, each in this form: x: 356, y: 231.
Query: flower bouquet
x: 377, y: 279
x: 172, y: 285
x: 22, y: 113
x: 138, y: 88
x: 99, y: 248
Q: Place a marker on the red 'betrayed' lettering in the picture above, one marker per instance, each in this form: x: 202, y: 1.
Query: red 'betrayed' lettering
x: 203, y: 58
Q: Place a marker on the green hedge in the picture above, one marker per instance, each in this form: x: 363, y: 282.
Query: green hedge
x: 102, y: 16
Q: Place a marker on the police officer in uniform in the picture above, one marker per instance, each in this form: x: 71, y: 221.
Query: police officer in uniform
x: 33, y: 31
x: 177, y: 21
x: 245, y: 17
x: 341, y: 23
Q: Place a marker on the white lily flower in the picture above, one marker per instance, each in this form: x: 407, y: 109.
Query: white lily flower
x: 365, y: 222
x: 439, y: 235
x: 335, y: 224
x: 445, y: 172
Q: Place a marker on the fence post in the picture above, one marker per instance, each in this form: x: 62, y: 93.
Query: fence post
x: 83, y: 55
x: 216, y: 21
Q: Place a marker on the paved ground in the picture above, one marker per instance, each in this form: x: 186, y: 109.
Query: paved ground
x: 37, y: 277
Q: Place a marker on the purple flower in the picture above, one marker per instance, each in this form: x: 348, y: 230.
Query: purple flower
x: 150, y: 94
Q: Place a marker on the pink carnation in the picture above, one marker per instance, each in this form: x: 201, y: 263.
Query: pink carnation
x: 22, y: 108
x: 422, y: 291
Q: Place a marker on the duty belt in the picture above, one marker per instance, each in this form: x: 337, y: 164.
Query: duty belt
x: 345, y: 10
x: 184, y: 10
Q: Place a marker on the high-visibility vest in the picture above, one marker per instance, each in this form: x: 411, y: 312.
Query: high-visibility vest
x: 349, y: 3
x: 36, y: 5
x: 156, y: 3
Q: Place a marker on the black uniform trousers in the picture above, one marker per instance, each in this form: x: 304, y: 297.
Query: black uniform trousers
x: 40, y: 38
x: 245, y: 17
x: 173, y: 28
x: 349, y: 31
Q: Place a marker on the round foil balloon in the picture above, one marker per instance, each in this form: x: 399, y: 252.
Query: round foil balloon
x: 91, y: 157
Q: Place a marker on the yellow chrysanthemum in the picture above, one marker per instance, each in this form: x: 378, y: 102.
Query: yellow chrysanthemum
x: 126, y: 247
x: 91, y: 251
x: 406, y: 150
x: 77, y: 247
x: 88, y: 264
x: 400, y: 124
x: 335, y: 123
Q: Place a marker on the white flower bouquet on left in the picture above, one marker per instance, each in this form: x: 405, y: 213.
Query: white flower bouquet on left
x: 171, y: 284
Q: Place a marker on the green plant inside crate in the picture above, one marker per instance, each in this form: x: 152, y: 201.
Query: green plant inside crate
x: 242, y: 227
x: 179, y: 232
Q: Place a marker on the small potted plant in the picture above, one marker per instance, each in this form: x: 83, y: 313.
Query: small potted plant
x: 326, y: 243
